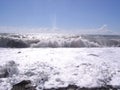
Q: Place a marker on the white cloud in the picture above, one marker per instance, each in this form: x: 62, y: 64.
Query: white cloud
x: 105, y: 30
x: 101, y: 30
x: 10, y: 29
x: 103, y: 27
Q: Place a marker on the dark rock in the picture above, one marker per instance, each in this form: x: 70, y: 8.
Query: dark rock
x: 74, y: 87
x: 94, y: 55
x: 70, y: 87
x: 19, y: 52
x: 23, y: 85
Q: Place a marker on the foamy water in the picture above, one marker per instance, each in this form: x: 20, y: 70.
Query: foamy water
x: 59, y: 60
x: 58, y: 40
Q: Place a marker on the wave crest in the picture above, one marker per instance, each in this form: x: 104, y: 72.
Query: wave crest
x: 55, y: 41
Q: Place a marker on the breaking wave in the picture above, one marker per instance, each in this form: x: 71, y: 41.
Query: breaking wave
x: 58, y: 40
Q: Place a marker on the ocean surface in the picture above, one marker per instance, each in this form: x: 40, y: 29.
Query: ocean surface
x: 57, y: 40
x: 58, y: 60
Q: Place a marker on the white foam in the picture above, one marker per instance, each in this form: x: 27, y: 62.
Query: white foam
x: 58, y: 67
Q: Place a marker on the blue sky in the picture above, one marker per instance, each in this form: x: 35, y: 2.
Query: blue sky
x: 63, y: 14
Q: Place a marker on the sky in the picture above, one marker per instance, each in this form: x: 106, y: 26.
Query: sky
x: 69, y: 15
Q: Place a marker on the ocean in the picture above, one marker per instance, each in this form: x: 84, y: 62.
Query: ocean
x: 57, y: 40
x: 58, y: 60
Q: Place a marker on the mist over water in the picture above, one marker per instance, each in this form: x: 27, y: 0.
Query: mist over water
x: 58, y: 40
